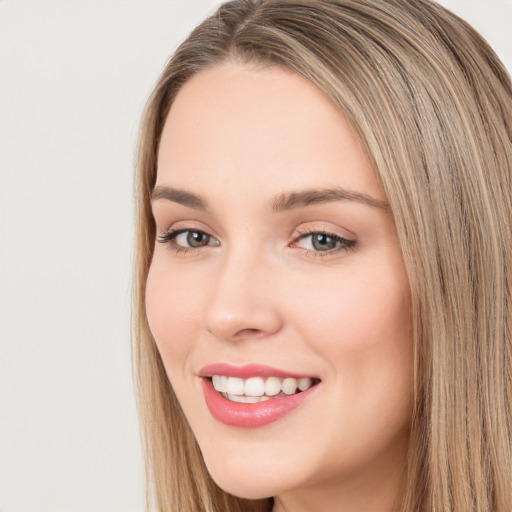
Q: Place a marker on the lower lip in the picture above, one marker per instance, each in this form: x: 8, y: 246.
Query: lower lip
x: 237, y: 414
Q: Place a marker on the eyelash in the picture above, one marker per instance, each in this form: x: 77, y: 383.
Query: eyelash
x: 170, y: 236
x: 344, y: 243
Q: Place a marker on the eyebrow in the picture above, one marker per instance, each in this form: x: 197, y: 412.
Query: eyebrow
x: 281, y: 203
x: 300, y: 199
x: 179, y: 196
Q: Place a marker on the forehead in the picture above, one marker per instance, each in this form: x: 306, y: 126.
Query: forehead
x: 234, y: 122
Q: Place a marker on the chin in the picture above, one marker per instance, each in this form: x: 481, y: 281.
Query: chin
x: 251, y: 488
x: 247, y: 482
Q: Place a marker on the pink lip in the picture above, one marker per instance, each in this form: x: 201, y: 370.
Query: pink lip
x: 237, y: 414
x: 247, y: 371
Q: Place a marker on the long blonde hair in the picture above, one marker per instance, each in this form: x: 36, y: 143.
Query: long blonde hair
x: 432, y: 105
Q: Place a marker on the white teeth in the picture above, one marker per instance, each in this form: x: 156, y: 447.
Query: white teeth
x: 255, y: 386
x: 216, y: 382
x: 305, y: 383
x: 235, y: 386
x: 289, y: 386
x: 220, y: 383
x: 272, y: 386
x: 258, y: 387
x: 223, y: 383
x: 247, y: 399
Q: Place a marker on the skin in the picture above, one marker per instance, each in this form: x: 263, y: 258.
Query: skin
x: 261, y: 292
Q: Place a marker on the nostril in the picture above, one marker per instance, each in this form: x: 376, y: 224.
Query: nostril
x: 249, y: 333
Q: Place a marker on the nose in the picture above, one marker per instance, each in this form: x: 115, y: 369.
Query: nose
x: 243, y: 302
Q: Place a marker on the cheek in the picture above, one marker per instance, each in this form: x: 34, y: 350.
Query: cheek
x: 173, y: 313
x: 363, y: 328
x: 358, y: 311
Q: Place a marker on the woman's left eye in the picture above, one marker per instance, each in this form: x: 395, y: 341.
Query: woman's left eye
x: 320, y: 242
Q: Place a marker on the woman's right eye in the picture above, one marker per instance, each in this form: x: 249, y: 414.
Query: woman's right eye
x: 186, y: 239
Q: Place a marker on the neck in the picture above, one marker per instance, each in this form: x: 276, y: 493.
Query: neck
x: 378, y: 488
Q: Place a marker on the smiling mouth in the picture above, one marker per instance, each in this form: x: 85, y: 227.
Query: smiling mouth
x: 254, y: 395
x: 259, y: 389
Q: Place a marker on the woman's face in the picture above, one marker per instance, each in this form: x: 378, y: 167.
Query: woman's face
x: 277, y: 266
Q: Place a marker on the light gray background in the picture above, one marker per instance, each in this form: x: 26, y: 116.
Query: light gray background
x: 74, y: 76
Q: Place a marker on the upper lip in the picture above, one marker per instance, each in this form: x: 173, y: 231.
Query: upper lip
x: 247, y: 371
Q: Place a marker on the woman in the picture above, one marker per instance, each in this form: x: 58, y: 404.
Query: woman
x: 323, y: 274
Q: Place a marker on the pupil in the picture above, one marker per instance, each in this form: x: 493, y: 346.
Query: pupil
x: 197, y: 239
x: 323, y: 242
